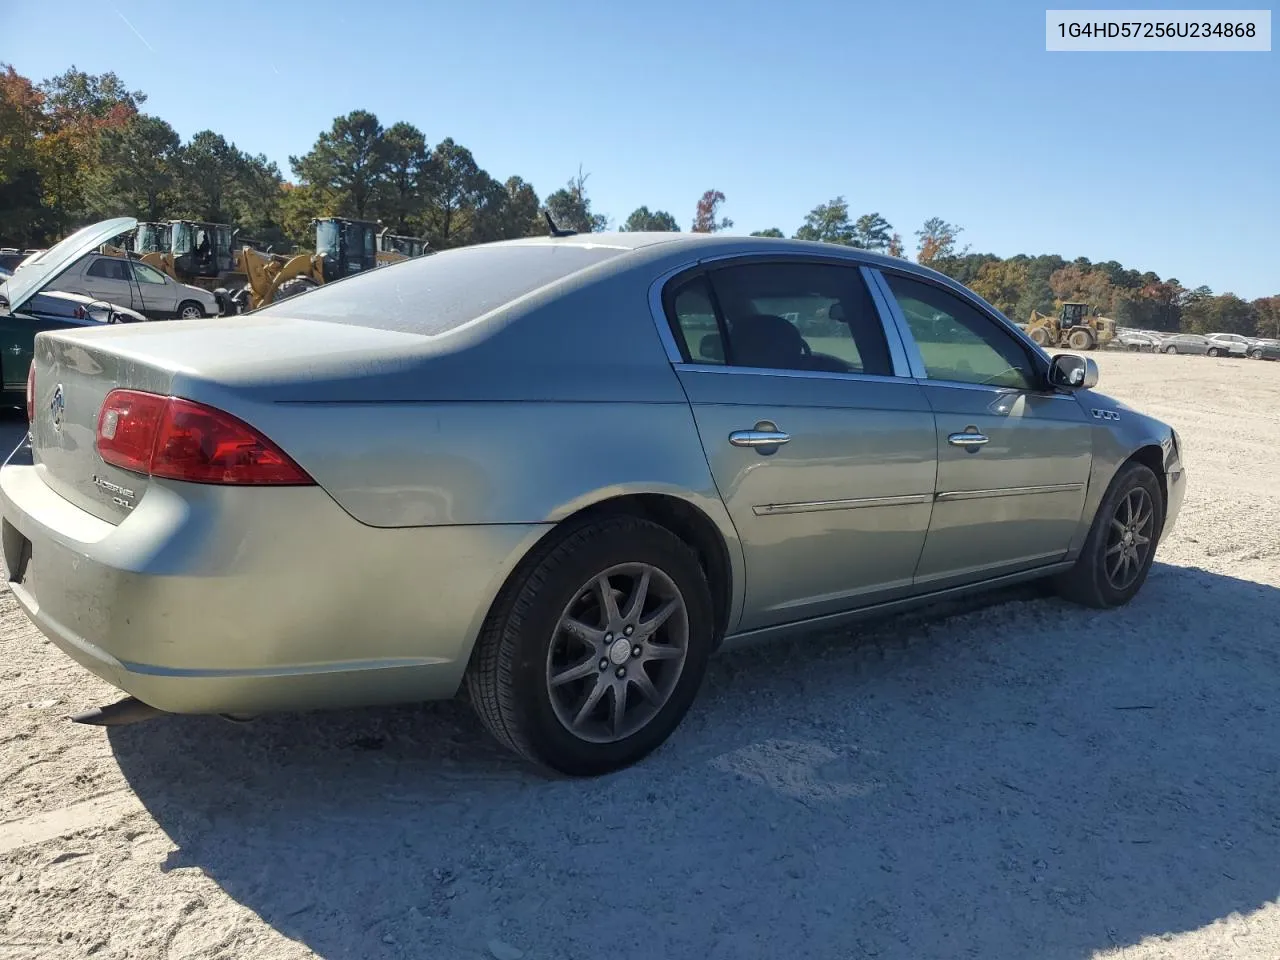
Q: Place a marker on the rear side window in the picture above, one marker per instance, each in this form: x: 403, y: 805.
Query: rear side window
x: 108, y: 268
x: 434, y: 294
x: 783, y: 316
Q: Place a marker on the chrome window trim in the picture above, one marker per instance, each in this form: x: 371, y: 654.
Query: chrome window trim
x: 723, y: 368
x: 813, y: 506
x: 947, y: 496
x: 898, y: 355
x: 915, y: 360
x: 994, y: 388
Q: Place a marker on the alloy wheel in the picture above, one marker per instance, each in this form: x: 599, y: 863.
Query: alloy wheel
x: 1129, y: 538
x: 618, y: 652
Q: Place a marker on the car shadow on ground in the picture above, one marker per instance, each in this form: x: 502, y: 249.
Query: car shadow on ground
x: 1024, y: 779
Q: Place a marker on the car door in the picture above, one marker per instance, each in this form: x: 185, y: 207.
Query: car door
x: 155, y: 295
x: 103, y: 278
x: 17, y: 342
x: 822, y: 447
x: 1014, y: 455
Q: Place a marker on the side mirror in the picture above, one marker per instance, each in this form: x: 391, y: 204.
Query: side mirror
x: 1073, y: 372
x: 100, y: 311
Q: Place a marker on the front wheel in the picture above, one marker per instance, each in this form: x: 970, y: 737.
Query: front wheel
x: 1121, y: 545
x: 594, y: 651
x: 1170, y: 349
x: 1255, y: 354
x: 1213, y: 351
x: 190, y: 310
x: 1080, y: 340
x: 1040, y: 336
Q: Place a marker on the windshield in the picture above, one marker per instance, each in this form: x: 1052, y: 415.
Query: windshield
x: 182, y: 238
x: 147, y: 239
x: 327, y: 238
x: 28, y: 281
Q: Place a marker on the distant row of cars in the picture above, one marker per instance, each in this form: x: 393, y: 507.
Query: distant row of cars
x: 1211, y: 344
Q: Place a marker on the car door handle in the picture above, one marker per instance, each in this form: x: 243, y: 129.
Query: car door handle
x: 758, y: 438
x: 967, y: 439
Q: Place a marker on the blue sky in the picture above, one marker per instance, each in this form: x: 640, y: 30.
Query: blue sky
x: 1163, y: 161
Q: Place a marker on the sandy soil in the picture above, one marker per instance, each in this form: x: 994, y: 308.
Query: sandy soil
x: 1024, y: 779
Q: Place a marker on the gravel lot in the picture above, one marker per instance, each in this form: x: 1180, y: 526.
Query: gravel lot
x: 1018, y: 779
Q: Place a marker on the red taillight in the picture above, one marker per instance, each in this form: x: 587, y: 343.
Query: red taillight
x: 31, y: 393
x: 182, y: 440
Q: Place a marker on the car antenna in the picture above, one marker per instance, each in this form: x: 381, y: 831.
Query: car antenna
x: 557, y: 231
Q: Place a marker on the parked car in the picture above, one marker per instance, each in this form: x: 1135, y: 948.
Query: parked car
x: 42, y: 310
x: 1228, y: 345
x: 139, y: 286
x: 1135, y: 341
x: 1265, y: 349
x: 1184, y: 343
x: 560, y: 472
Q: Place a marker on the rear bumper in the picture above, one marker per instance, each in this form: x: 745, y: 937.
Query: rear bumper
x: 217, y: 600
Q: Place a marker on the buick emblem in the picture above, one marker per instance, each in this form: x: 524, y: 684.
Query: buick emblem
x: 58, y: 407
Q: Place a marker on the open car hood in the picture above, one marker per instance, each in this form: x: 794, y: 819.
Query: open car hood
x: 27, y: 282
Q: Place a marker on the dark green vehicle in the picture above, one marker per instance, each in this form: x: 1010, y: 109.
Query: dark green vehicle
x: 26, y: 308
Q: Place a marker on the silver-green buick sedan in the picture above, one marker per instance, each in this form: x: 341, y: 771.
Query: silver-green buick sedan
x: 559, y: 473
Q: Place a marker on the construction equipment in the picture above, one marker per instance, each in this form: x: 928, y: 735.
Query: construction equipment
x: 394, y: 246
x: 343, y: 247
x: 1074, y: 327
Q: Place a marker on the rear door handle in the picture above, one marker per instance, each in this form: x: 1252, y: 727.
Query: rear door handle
x: 758, y: 438
x: 967, y: 439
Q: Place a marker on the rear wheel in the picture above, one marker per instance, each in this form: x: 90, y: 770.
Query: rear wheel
x: 1080, y: 340
x: 1255, y: 354
x: 1121, y: 545
x: 190, y: 310
x: 594, y: 651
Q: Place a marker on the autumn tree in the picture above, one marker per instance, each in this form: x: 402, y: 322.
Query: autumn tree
x: 937, y: 240
x: 642, y: 219
x: 1266, y: 311
x: 21, y: 123
x: 828, y: 223
x: 1000, y: 283
x: 706, y: 218
x: 895, y: 247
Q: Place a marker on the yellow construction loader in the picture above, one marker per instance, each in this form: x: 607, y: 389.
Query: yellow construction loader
x: 1074, y: 327
x: 343, y: 247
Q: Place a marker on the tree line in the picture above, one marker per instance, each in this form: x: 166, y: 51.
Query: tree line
x: 78, y: 147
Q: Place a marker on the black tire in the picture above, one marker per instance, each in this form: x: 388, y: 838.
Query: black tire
x: 294, y: 286
x: 507, y: 677
x: 1212, y: 351
x: 1081, y: 340
x: 1255, y: 354
x: 189, y: 310
x: 1170, y: 349
x: 1040, y: 336
x: 1087, y: 582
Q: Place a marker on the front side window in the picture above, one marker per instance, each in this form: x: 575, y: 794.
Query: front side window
x: 783, y: 316
x: 327, y: 234
x: 147, y: 274
x: 107, y: 268
x: 957, y: 342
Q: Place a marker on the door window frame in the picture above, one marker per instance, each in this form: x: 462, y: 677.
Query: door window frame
x: 1036, y: 358
x: 661, y: 297
x: 103, y: 259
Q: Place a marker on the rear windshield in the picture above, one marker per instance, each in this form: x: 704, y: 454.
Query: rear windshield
x: 439, y: 292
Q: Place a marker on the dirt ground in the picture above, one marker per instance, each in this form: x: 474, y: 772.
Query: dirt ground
x: 1025, y: 779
